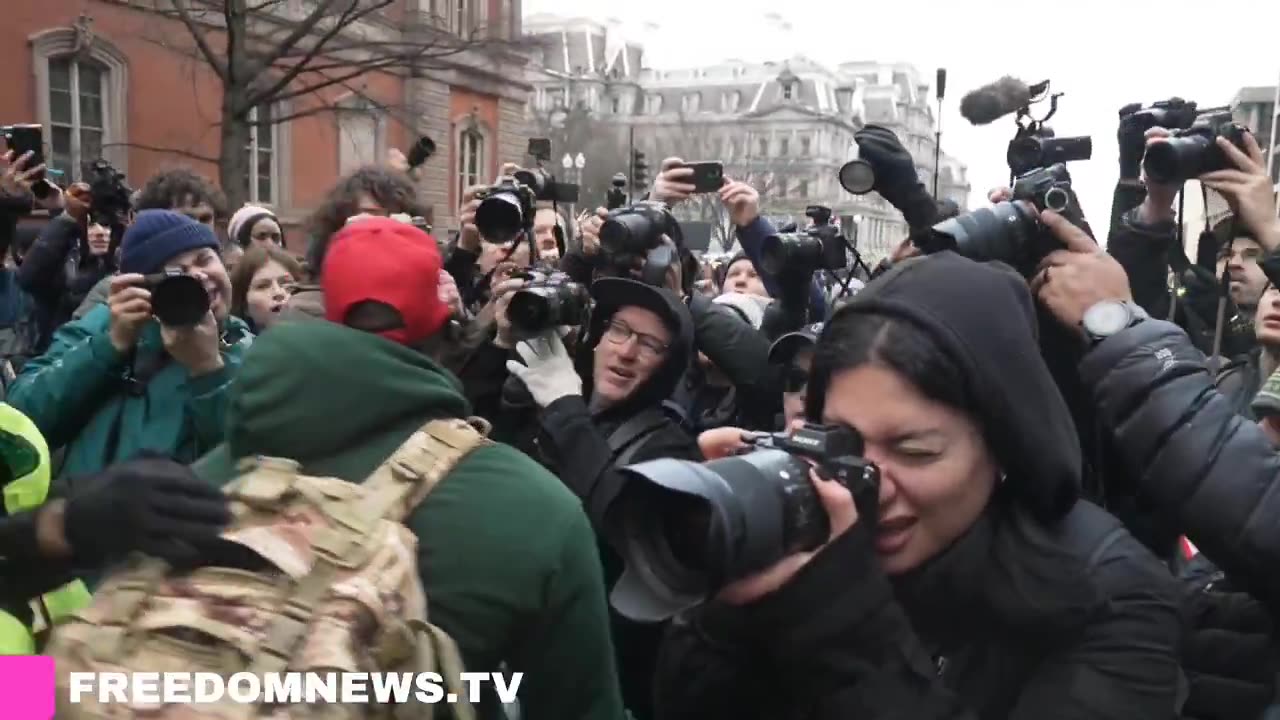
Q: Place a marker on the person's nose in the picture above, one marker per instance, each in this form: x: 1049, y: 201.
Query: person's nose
x: 629, y: 350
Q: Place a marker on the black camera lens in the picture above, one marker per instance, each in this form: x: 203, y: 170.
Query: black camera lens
x: 500, y: 217
x: 179, y: 300
x: 534, y: 310
x: 1007, y: 231
x: 1179, y: 158
x: 686, y: 529
x: 798, y: 253
x: 629, y: 233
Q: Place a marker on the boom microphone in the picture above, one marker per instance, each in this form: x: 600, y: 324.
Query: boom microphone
x: 992, y: 102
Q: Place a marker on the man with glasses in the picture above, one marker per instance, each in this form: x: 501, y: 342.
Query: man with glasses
x: 608, y: 413
x: 793, y: 353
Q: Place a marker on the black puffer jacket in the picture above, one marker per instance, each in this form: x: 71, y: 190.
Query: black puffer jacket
x: 1193, y: 456
x: 1045, y: 607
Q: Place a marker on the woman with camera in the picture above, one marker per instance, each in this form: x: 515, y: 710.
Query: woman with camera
x: 980, y: 585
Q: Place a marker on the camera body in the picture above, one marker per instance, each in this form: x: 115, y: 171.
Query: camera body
x: 631, y: 242
x: 506, y: 210
x: 800, y: 254
x: 549, y: 300
x: 686, y: 529
x: 1009, y: 231
x: 110, y: 197
x: 1193, y: 151
x: 545, y: 186
x: 1172, y: 114
x: 1039, y: 149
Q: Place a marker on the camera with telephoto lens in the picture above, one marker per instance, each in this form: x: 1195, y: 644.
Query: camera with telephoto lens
x: 548, y: 300
x: 1192, y: 152
x: 110, y: 198
x: 631, y: 241
x: 177, y: 299
x: 1029, y: 151
x: 687, y: 529
x: 820, y: 247
x: 506, y: 210
x: 545, y: 186
x: 1010, y: 231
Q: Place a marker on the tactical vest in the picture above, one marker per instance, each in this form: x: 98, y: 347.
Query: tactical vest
x: 24, y: 449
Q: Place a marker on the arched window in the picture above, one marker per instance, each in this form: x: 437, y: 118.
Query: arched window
x: 471, y: 156
x: 81, y: 81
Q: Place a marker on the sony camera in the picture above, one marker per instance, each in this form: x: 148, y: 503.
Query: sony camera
x: 1028, y: 152
x: 631, y: 242
x: 506, y: 210
x: 545, y: 187
x: 687, y: 529
x: 1192, y: 152
x: 1010, y: 231
x: 110, y: 197
x: 177, y: 299
x: 548, y: 300
x: 800, y: 254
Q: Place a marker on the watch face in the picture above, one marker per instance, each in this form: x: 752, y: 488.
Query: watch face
x: 1106, y: 318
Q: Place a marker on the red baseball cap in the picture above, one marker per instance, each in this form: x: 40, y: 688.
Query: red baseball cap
x: 386, y: 261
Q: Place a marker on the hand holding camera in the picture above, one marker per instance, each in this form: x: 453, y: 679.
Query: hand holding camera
x: 195, y: 347
x: 501, y: 299
x: 469, y: 236
x: 589, y: 228
x: 1247, y: 189
x: 674, y: 183
x: 130, y: 305
x: 1072, y: 280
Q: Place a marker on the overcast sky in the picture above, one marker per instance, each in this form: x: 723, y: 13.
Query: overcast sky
x: 1101, y: 53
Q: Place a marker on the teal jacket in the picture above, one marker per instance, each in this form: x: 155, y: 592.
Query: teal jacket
x: 78, y: 394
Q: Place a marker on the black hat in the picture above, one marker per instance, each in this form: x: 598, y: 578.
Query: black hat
x: 785, y: 348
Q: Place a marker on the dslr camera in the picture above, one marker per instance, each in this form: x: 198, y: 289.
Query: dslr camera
x: 545, y: 186
x: 800, y: 254
x: 506, y: 210
x: 177, y: 299
x: 1192, y: 152
x: 110, y: 196
x: 1172, y: 114
x: 548, y: 300
x: 1009, y: 231
x: 687, y: 529
x: 631, y: 240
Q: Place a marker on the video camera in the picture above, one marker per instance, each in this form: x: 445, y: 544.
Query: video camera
x: 506, y: 210
x: 1009, y: 231
x: 111, y: 198
x: 687, y: 529
x: 545, y: 186
x: 797, y: 254
x: 1172, y: 114
x: 1034, y: 144
x: 1191, y: 152
x: 548, y: 300
x: 631, y: 240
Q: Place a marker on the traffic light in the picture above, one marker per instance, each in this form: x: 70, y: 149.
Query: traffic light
x: 639, y: 171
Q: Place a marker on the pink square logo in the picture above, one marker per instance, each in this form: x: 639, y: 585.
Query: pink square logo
x: 28, y: 685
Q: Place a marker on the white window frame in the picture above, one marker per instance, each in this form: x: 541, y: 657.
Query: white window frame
x: 59, y: 43
x: 355, y: 105
x: 462, y: 126
x: 253, y: 149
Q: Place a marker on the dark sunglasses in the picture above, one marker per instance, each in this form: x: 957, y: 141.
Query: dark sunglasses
x: 795, y: 379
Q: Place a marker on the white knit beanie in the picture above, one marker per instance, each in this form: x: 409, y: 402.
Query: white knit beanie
x: 243, y: 216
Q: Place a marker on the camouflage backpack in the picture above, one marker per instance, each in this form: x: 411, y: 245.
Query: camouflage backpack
x: 343, y: 593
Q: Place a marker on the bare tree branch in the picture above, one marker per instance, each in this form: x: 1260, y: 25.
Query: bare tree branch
x: 197, y: 34
x: 305, y: 26
x: 170, y: 151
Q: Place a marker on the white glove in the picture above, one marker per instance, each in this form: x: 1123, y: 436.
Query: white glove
x: 547, y: 371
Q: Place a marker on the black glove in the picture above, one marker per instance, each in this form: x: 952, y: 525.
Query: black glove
x: 896, y: 177
x: 1229, y: 655
x: 151, y: 505
x: 1132, y: 142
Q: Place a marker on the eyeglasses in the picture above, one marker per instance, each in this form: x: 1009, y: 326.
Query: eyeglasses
x: 619, y: 332
x: 795, y: 379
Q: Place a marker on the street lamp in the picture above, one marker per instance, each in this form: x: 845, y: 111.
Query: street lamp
x: 579, y: 162
x: 566, y: 162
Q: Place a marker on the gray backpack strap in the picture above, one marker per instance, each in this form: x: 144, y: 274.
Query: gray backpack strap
x: 626, y: 440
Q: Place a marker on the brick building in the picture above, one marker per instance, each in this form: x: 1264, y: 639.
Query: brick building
x: 113, y: 79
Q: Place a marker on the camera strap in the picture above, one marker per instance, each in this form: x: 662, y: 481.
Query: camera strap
x: 625, y: 441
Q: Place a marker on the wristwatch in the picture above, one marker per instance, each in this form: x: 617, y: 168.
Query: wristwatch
x: 1108, y: 317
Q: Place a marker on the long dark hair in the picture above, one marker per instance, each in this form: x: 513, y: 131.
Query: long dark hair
x: 1027, y: 580
x: 391, y: 189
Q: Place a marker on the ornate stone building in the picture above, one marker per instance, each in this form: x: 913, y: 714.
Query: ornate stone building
x: 784, y: 126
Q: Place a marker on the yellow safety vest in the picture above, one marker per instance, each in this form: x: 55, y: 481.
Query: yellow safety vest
x: 25, y: 450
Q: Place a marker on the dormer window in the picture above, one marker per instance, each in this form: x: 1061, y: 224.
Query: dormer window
x: 788, y: 89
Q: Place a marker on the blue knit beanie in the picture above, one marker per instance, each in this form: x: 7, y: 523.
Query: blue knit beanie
x: 157, y: 236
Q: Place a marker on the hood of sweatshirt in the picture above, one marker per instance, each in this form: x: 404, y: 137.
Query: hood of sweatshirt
x: 983, y: 317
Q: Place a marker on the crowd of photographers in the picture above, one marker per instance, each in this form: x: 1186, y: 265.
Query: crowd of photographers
x: 961, y: 484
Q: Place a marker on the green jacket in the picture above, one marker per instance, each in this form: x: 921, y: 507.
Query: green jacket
x: 78, y: 395
x: 507, y: 555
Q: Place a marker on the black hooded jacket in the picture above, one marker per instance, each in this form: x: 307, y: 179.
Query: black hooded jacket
x: 1044, y: 608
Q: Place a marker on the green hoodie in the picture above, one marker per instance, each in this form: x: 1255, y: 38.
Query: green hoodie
x: 507, y: 555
